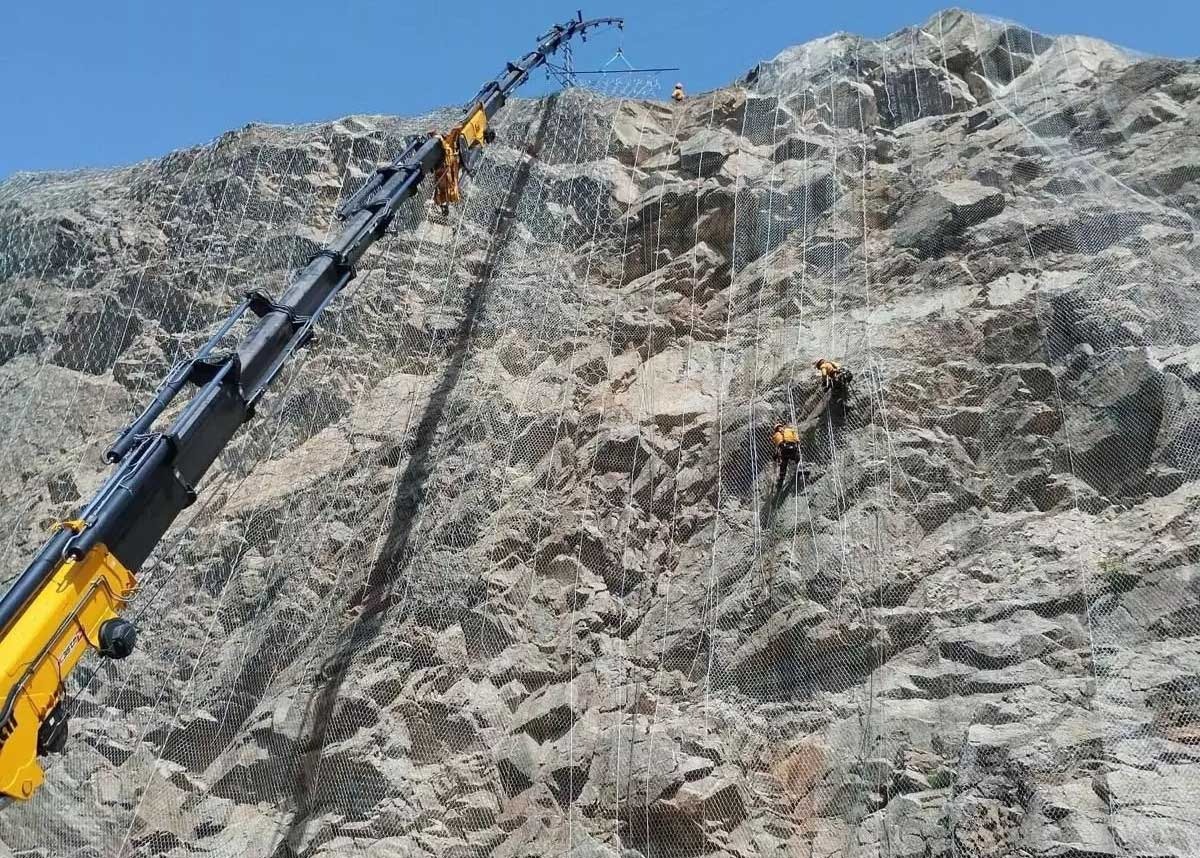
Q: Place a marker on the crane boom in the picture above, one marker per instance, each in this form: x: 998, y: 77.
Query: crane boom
x: 70, y: 597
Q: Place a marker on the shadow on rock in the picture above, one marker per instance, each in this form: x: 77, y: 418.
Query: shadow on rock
x: 373, y: 599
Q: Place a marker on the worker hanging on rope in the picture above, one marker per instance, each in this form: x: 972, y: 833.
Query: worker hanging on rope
x: 677, y: 92
x: 834, y: 378
x: 787, y: 450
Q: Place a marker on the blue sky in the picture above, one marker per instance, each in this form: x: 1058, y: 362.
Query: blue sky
x: 101, y: 82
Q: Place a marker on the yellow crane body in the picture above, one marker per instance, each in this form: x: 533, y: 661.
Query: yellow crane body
x: 42, y: 648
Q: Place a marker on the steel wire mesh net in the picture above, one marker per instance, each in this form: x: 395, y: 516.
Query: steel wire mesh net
x: 506, y: 564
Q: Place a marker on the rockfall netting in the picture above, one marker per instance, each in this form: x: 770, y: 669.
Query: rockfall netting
x: 502, y: 567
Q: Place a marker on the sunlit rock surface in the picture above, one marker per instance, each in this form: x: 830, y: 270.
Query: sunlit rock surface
x: 499, y: 569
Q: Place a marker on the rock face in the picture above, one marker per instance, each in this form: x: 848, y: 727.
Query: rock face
x: 944, y: 213
x: 500, y: 567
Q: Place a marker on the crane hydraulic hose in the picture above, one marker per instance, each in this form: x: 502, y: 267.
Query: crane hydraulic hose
x: 70, y: 597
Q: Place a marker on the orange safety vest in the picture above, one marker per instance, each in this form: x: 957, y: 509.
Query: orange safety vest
x: 786, y: 435
x: 827, y: 368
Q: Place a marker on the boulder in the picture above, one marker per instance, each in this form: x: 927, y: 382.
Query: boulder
x: 933, y: 221
x: 703, y: 154
x: 1021, y: 637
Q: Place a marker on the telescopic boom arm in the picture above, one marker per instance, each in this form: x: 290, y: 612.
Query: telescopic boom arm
x: 70, y: 598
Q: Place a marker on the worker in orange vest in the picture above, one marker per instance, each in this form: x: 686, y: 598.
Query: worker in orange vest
x: 787, y: 449
x: 833, y: 377
x: 677, y: 92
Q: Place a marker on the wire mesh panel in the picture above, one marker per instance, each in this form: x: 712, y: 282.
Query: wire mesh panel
x: 509, y: 564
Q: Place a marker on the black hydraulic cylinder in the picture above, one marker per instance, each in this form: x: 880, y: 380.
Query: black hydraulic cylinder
x: 162, y: 398
x: 169, y: 389
x: 124, y: 495
x: 30, y: 581
x: 365, y: 196
x: 158, y: 473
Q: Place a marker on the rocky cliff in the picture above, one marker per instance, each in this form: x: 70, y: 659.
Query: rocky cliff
x: 501, y: 567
